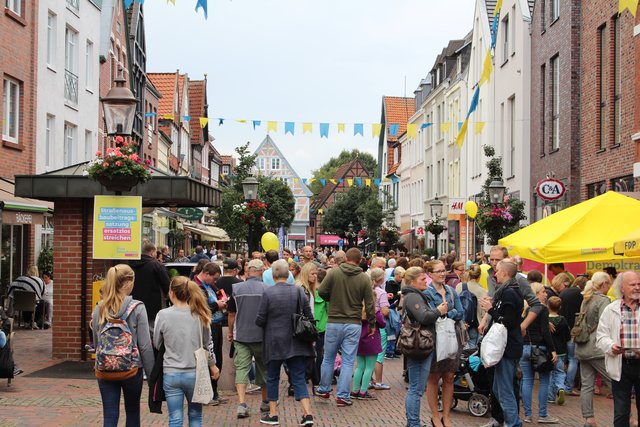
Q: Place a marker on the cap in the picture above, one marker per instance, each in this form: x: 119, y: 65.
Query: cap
x: 255, y: 264
x: 229, y: 264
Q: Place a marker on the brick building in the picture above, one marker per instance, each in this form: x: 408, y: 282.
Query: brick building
x: 607, y: 99
x: 555, y: 101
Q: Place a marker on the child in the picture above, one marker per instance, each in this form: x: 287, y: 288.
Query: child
x: 560, y: 339
x: 368, y: 350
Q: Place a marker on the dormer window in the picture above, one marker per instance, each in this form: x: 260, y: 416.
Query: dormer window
x: 459, y: 64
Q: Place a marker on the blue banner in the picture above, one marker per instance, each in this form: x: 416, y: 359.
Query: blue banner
x: 289, y: 127
x: 324, y: 130
x: 393, y: 129
x: 358, y: 128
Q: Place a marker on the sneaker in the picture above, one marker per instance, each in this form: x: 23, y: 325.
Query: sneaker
x: 343, y: 402
x: 269, y: 419
x: 243, y: 411
x: 252, y: 388
x: 221, y: 399
x: 389, y: 356
x: 548, y: 420
x: 551, y: 401
x: 372, y: 385
x: 492, y: 423
x: 17, y: 371
x: 560, y: 397
x: 214, y: 402
x: 355, y: 395
x: 264, y: 406
x: 307, y: 420
x: 381, y: 386
x: 366, y: 396
x: 322, y: 395
x: 527, y: 420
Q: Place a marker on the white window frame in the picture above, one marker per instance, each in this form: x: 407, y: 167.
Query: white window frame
x: 11, y: 105
x: 505, y: 38
x: 275, y: 163
x: 14, y: 6
x: 69, y: 147
x: 88, y: 63
x: 88, y: 144
x: 52, y: 20
x: 555, y: 107
x: 49, y: 138
x: 555, y: 10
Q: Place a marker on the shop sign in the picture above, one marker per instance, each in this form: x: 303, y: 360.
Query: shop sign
x: 420, y: 231
x: 550, y: 189
x: 117, y: 227
x: 456, y: 206
x: 192, y: 214
x: 21, y: 217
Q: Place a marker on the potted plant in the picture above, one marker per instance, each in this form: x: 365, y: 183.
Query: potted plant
x: 120, y: 168
x: 434, y: 226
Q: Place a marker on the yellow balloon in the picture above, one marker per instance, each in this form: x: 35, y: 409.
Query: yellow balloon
x: 484, y: 275
x: 269, y: 241
x: 471, y: 208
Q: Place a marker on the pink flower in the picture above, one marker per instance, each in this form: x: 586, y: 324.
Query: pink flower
x: 118, y: 163
x: 119, y: 139
x: 126, y: 144
x: 98, y: 153
x: 105, y: 164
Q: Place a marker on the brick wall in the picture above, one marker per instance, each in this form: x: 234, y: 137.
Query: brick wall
x: 636, y: 128
x: 549, y: 39
x: 610, y: 161
x: 19, y: 53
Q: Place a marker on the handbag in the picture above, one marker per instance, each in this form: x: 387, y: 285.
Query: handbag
x: 203, y: 391
x: 415, y: 340
x: 304, y: 328
x: 493, y: 345
x: 446, y: 339
x: 540, y: 360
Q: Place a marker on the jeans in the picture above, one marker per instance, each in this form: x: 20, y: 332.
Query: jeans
x: 418, y: 374
x: 557, y: 381
x: 362, y: 375
x: 503, y: 389
x: 177, y: 386
x: 629, y: 380
x: 344, y: 337
x: 296, y: 368
x: 528, y: 376
x: 110, y: 393
x: 572, y: 370
x: 588, y: 369
x: 473, y: 337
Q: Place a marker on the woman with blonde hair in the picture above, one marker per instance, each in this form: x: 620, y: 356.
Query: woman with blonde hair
x: 381, y: 305
x: 117, y: 304
x: 591, y: 358
x: 307, y: 279
x: 182, y: 329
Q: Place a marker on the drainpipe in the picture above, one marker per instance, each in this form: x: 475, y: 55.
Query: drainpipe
x: 83, y: 280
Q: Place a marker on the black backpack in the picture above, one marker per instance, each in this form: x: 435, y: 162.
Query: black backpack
x: 470, y: 306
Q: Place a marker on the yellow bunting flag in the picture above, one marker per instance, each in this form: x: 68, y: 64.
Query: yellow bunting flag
x: 307, y: 127
x: 333, y: 181
x: 241, y: 121
x: 444, y: 127
x: 375, y: 130
x: 311, y: 180
x: 498, y: 7
x: 463, y: 132
x: 412, y: 130
x: 173, y: 2
x: 168, y: 117
x: 320, y: 211
x: 488, y: 68
x: 340, y: 127
x: 479, y: 127
x: 203, y: 122
x: 632, y: 5
x: 272, y: 126
x: 349, y: 182
x: 367, y: 182
x: 295, y: 180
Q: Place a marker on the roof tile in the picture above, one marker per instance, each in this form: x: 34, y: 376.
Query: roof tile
x: 197, y: 102
x: 166, y: 85
x: 398, y: 110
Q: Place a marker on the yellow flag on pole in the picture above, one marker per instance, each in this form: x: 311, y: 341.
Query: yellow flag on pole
x: 307, y: 127
x: 444, y: 127
x: 168, y: 117
x: 272, y: 126
x: 479, y: 127
x: 412, y: 130
x: 488, y: 68
x: 463, y: 132
x: 340, y: 127
x: 203, y: 122
x: 632, y: 5
x: 375, y: 130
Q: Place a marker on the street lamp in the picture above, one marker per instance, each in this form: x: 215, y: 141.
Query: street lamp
x: 496, y: 192
x: 350, y: 233
x: 119, y: 107
x: 436, y: 213
x: 250, y: 190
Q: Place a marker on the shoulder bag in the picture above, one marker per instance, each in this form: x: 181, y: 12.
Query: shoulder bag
x: 304, y: 328
x: 415, y: 340
x: 203, y: 391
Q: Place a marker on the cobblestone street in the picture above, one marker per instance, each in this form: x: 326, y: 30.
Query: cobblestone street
x: 31, y: 401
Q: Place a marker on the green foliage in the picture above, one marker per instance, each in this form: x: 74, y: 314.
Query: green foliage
x: 246, y: 162
x: 45, y: 260
x: 329, y: 169
x: 225, y: 216
x: 281, y: 205
x: 176, y: 236
x: 497, y: 222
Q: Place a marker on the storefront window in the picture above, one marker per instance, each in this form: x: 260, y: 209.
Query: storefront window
x: 11, y: 254
x: 454, y: 237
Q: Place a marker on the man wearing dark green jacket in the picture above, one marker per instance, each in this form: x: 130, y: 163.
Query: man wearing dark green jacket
x: 347, y: 289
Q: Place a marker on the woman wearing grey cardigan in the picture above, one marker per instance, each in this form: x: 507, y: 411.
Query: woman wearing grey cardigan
x: 278, y: 303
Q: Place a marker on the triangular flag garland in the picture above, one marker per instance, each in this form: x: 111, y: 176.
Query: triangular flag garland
x: 479, y: 127
x: 272, y: 126
x: 199, y: 4
x: 632, y: 5
x: 307, y: 128
x: 203, y: 122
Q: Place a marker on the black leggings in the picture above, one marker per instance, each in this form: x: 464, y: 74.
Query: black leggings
x: 216, y: 338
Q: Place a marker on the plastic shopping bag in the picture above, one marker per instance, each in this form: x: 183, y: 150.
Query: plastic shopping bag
x: 446, y: 339
x: 493, y: 345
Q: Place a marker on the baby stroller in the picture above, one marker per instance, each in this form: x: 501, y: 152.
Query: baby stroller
x: 471, y: 384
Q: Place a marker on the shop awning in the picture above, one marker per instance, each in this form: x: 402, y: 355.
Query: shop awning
x: 20, y: 210
x: 208, y: 232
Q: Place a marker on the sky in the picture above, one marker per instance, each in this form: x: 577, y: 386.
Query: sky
x: 300, y: 61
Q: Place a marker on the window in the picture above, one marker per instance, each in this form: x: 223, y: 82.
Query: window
x: 596, y: 189
x: 555, y: 10
x: 71, y: 66
x: 275, y: 163
x: 69, y: 144
x: 512, y: 136
x: 555, y: 103
x: 74, y: 5
x: 624, y: 183
x: 88, y: 145
x: 15, y: 6
x: 543, y: 107
x: 543, y: 14
x: 602, y: 82
x: 11, y: 110
x: 617, y: 81
x: 49, y: 138
x: 505, y: 39
x: 88, y: 63
x: 512, y: 47
x: 260, y: 163
x: 225, y: 169
x: 51, y: 39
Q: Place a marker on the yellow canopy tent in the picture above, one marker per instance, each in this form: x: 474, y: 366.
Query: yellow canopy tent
x: 583, y: 232
x: 629, y: 246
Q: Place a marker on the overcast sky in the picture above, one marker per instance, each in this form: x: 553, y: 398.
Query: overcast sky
x: 302, y: 61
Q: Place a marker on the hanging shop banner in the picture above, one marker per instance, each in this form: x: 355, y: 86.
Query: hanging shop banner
x: 117, y: 227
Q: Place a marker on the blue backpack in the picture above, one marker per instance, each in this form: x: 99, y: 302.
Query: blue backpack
x: 470, y: 306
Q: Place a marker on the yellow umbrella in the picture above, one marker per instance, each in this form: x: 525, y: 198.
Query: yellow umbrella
x: 583, y: 232
x: 629, y: 245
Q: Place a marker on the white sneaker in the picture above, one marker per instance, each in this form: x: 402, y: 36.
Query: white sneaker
x: 492, y: 423
x: 548, y: 420
x: 252, y: 388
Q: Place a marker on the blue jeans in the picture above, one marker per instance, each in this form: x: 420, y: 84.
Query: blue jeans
x: 110, y: 393
x: 504, y: 373
x: 557, y: 378
x: 473, y: 337
x: 177, y: 386
x: 528, y: 376
x: 572, y: 370
x: 296, y: 367
x: 418, y: 373
x: 344, y: 337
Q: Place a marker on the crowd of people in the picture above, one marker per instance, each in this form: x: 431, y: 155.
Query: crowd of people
x: 555, y: 330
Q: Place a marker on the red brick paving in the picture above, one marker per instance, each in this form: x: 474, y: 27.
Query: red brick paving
x: 72, y: 402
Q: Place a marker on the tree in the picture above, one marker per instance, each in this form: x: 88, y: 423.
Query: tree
x: 497, y: 221
x: 329, y: 169
x: 281, y: 205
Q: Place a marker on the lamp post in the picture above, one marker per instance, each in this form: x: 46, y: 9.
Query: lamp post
x: 436, y: 213
x: 250, y: 190
x: 350, y: 234
x: 496, y: 192
x: 119, y: 105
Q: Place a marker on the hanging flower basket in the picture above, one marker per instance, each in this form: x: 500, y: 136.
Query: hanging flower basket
x: 118, y: 182
x: 120, y: 169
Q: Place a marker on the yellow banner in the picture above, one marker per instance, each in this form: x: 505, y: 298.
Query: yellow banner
x: 203, y: 122
x: 412, y: 130
x: 272, y: 126
x: 632, y: 5
x: 349, y: 182
x: 333, y: 181
x: 488, y: 67
x: 375, y: 130
x: 498, y: 7
x: 117, y: 227
x: 168, y: 117
x: 463, y: 132
x: 479, y: 127
x: 367, y: 182
x: 295, y: 180
x: 444, y: 127
x: 307, y: 127
x: 340, y: 127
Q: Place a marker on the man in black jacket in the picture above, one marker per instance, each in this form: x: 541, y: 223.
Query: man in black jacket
x: 151, y: 284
